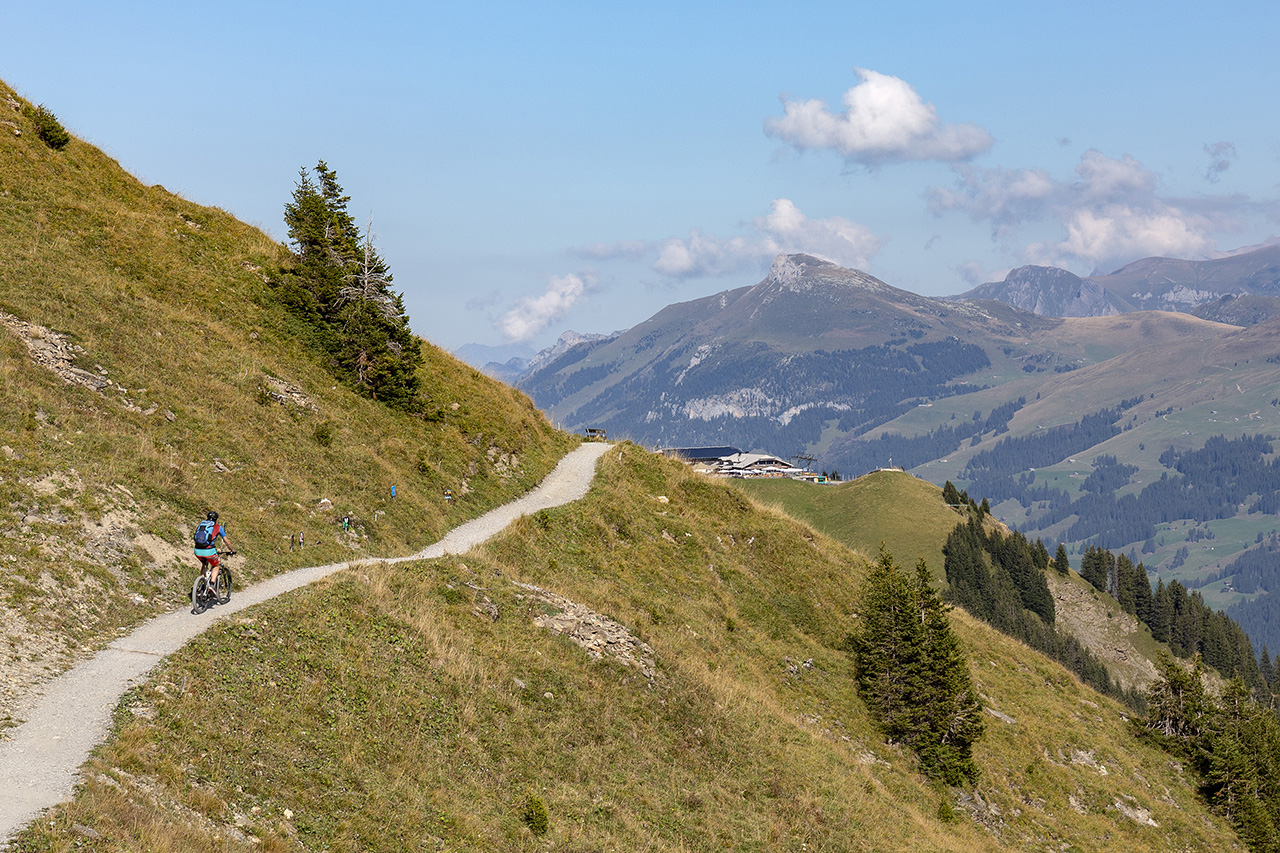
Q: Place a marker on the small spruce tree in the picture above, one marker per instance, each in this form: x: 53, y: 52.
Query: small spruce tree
x: 1061, y: 564
x: 342, y: 287
x: 912, y: 673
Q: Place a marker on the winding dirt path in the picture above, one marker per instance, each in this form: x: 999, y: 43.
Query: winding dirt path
x: 40, y: 759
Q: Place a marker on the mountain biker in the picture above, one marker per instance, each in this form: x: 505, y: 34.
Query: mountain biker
x: 206, y: 536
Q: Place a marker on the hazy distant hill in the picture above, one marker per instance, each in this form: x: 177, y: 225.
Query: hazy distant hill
x: 1162, y: 284
x: 1051, y: 292
x: 1169, y: 284
x: 813, y: 347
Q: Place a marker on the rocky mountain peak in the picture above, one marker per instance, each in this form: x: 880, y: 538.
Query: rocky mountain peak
x: 789, y: 269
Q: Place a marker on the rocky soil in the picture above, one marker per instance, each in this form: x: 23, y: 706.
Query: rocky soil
x: 1107, y: 631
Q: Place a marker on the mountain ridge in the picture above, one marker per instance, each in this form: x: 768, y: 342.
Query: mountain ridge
x: 1156, y: 283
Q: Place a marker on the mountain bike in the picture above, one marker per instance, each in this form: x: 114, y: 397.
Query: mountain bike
x: 206, y: 593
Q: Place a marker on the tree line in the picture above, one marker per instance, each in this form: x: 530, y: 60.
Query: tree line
x: 1205, y: 484
x: 1230, y: 741
x: 913, y: 450
x: 1177, y: 616
x: 1000, y: 579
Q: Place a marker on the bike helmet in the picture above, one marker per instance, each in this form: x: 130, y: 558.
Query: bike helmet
x: 212, y: 516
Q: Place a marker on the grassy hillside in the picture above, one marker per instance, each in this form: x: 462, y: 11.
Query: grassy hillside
x: 903, y: 512
x: 387, y: 709
x: 907, y: 515
x: 193, y: 390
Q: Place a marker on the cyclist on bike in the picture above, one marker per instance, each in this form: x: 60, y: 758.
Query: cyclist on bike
x: 206, y: 536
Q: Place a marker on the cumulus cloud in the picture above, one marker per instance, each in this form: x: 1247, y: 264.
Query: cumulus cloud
x: 1003, y: 197
x: 835, y: 238
x: 1114, y: 234
x: 532, y: 314
x: 884, y: 121
x: 1110, y: 214
x: 704, y: 255
x: 1220, y: 156
x: 784, y: 229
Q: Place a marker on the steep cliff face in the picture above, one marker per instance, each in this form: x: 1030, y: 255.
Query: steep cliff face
x: 1051, y: 292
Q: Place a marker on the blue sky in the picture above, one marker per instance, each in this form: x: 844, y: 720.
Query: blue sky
x: 530, y: 168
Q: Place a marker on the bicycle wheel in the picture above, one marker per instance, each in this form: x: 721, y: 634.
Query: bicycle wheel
x: 222, y: 588
x: 199, y: 590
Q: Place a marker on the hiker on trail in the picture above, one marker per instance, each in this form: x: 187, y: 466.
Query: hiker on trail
x: 208, y: 532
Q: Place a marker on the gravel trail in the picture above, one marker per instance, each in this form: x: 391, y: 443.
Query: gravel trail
x: 40, y: 759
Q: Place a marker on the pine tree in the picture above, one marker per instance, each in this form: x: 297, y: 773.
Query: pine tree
x: 912, y: 673
x: 1093, y: 567
x: 950, y: 714
x: 1061, y: 564
x: 342, y: 287
x: 1177, y: 704
x: 1161, y: 613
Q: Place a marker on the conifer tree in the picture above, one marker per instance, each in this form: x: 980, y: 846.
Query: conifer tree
x: 1177, y: 704
x: 341, y: 286
x: 912, y: 673
x: 950, y: 714
x: 1267, y: 667
x: 1061, y: 564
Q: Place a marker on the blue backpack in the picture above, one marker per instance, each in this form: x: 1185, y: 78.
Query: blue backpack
x: 204, y: 534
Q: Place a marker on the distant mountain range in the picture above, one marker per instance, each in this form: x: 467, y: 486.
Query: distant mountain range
x: 1063, y: 422
x: 1160, y: 284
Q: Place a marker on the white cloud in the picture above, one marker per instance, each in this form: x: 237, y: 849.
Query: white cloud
x: 533, y: 314
x: 1107, y: 179
x: 835, y: 238
x: 1112, y: 235
x: 784, y: 229
x: 1004, y: 197
x: 703, y: 255
x: 884, y: 121
x: 1110, y: 214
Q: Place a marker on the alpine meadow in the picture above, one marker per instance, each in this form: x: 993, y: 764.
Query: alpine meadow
x: 672, y: 662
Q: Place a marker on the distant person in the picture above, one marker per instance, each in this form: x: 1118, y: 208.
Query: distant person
x: 208, y: 532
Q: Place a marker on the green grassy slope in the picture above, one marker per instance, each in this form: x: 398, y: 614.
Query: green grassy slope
x: 99, y: 489
x: 903, y: 512
x: 385, y: 709
x: 908, y: 516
